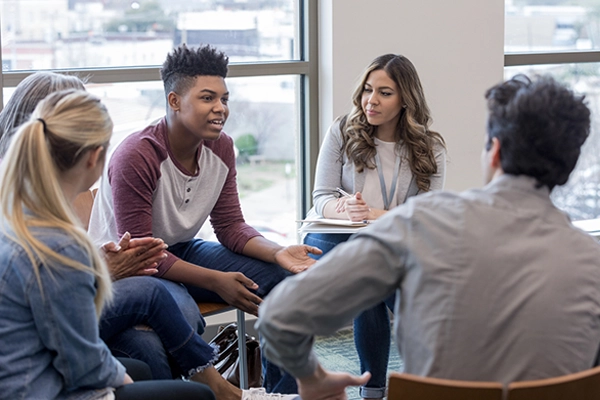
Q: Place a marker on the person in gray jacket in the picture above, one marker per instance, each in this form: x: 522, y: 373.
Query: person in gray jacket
x: 492, y: 284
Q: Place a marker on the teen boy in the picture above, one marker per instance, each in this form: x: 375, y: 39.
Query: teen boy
x: 167, y: 179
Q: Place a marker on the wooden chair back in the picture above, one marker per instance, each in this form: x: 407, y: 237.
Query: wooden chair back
x: 583, y: 385
x: 412, y: 387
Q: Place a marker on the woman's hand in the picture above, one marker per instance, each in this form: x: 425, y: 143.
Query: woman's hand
x: 340, y: 205
x: 295, y: 258
x: 357, y: 208
x: 133, y: 257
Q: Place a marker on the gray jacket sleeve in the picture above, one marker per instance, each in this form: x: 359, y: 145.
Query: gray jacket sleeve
x: 351, y: 278
x: 438, y: 179
x: 328, y: 174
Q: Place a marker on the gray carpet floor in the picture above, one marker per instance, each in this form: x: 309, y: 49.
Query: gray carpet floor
x: 338, y: 353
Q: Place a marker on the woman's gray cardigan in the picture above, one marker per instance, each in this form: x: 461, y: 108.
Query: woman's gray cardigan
x: 335, y: 170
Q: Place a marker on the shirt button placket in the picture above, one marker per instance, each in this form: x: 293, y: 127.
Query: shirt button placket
x: 188, y: 190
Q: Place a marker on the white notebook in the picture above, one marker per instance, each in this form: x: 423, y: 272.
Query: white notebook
x: 328, y: 225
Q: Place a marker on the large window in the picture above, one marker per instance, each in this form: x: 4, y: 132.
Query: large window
x: 562, y: 38
x: 47, y: 34
x: 118, y: 45
x: 551, y: 25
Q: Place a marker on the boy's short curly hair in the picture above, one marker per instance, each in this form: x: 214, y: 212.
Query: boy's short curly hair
x: 183, y: 64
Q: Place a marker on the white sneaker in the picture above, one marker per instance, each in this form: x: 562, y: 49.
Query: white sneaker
x: 260, y: 394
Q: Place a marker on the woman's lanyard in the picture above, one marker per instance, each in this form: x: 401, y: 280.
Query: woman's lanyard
x: 387, y: 200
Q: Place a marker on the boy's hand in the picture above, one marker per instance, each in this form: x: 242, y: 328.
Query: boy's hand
x: 133, y: 257
x: 233, y: 289
x: 295, y: 258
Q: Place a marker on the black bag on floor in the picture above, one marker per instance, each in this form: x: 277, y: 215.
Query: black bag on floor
x: 228, y: 362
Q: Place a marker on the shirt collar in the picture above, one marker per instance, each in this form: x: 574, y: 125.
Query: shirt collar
x: 520, y: 183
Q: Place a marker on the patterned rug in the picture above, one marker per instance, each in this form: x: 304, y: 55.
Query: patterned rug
x: 338, y: 353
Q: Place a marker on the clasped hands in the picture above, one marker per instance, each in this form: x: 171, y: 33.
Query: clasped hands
x: 355, y: 207
x: 133, y: 257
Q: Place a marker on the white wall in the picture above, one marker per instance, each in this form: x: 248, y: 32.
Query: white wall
x: 457, y: 47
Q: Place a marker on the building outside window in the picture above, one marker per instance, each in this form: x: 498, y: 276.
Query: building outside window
x: 562, y: 38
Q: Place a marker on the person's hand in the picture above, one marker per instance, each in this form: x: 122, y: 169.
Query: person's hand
x: 133, y: 257
x: 127, y: 380
x: 233, y: 289
x: 325, y: 385
x: 357, y: 208
x: 340, y: 205
x: 295, y: 258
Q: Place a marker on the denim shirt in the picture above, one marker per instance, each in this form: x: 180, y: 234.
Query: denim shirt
x: 49, y: 342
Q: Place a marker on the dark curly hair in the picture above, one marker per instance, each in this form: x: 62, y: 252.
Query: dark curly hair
x: 184, y: 64
x: 541, y: 126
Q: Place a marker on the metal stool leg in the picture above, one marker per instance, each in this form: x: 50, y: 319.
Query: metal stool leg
x: 241, y: 323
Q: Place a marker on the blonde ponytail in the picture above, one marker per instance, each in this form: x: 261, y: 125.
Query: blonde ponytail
x: 60, y: 130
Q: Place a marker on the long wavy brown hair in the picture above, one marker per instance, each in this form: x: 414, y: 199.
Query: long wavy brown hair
x: 413, y: 126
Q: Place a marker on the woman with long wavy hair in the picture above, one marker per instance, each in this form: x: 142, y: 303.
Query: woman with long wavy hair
x: 379, y: 155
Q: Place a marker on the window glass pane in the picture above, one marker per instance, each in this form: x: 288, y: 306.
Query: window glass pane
x: 49, y: 34
x: 131, y: 106
x: 263, y: 122
x: 551, y: 25
x: 580, y: 197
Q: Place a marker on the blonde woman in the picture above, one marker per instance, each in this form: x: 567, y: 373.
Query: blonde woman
x: 379, y: 155
x: 130, y: 257
x: 53, y: 282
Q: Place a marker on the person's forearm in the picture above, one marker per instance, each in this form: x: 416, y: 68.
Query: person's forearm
x: 293, y: 351
x: 262, y: 249
x: 329, y: 211
x: 317, y: 374
x: 233, y: 287
x: 375, y: 213
x: 185, y: 272
x: 323, y: 299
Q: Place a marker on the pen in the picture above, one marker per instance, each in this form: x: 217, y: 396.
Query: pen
x: 343, y: 192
